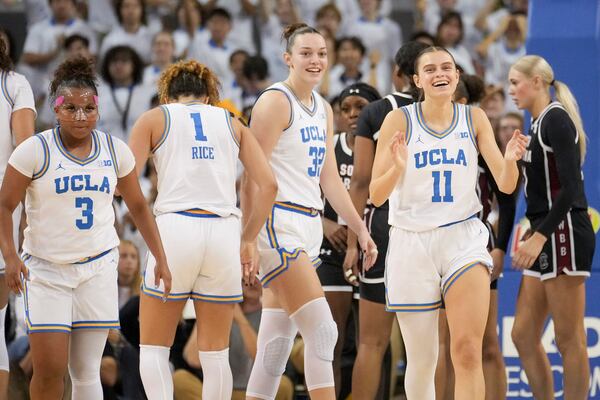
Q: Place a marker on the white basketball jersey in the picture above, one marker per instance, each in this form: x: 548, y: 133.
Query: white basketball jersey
x: 298, y: 157
x: 196, y: 160
x: 16, y: 94
x: 69, y: 209
x: 441, y: 173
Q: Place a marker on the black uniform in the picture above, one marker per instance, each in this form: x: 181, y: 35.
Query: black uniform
x: 556, y: 202
x: 487, y: 190
x: 369, y: 123
x: 331, y: 272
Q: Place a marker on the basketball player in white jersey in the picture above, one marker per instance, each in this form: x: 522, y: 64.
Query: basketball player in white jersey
x: 294, y: 126
x: 426, y: 164
x: 68, y: 271
x: 17, y: 116
x: 195, y: 147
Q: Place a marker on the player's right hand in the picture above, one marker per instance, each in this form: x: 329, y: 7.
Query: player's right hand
x: 249, y: 260
x: 15, y: 273
x: 162, y: 272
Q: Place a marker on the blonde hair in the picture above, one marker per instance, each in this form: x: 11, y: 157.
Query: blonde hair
x: 137, y: 281
x: 535, y: 65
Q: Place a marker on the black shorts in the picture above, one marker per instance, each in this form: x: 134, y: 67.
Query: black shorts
x: 569, y: 250
x: 372, y: 285
x: 332, y: 278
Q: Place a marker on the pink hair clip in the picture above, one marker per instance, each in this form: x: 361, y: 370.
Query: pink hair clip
x: 59, y: 101
x: 96, y: 99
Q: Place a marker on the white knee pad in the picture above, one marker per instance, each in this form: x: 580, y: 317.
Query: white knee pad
x: 155, y: 372
x: 3, y: 351
x: 319, y: 331
x: 275, y: 339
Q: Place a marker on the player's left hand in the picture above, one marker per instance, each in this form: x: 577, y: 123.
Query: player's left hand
x: 516, y: 146
x: 162, y: 272
x: 369, y: 249
x: 529, y: 251
x: 249, y: 259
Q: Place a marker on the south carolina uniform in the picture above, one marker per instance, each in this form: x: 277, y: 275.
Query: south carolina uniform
x: 70, y: 240
x: 556, y: 202
x: 16, y: 95
x: 435, y: 235
x: 294, y: 224
x: 331, y: 272
x: 195, y: 209
x: 369, y: 123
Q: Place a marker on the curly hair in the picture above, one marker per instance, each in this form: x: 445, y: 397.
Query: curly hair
x: 78, y: 72
x: 188, y: 78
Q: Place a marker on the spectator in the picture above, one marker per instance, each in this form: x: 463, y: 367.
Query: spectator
x: 256, y: 79
x: 132, y: 30
x: 380, y: 35
x: 163, y: 51
x: 232, y: 90
x: 271, y: 32
x: 350, y: 52
x: 450, y: 33
x: 43, y: 49
x: 241, y: 14
x: 329, y: 17
x: 214, y: 51
x: 122, y: 97
x: 190, y: 16
x: 493, y: 103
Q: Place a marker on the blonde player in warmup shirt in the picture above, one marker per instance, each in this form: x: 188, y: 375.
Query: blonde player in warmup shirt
x: 17, y: 116
x: 294, y: 126
x: 68, y: 275
x: 195, y: 147
x: 426, y: 164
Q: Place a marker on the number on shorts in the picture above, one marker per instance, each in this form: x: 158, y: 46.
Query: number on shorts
x: 317, y: 155
x: 87, y: 212
x: 437, y: 197
x: 198, y: 126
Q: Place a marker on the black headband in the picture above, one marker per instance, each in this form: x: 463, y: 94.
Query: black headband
x: 360, y: 89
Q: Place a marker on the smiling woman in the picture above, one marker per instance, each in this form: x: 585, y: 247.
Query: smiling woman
x: 426, y: 164
x: 68, y: 272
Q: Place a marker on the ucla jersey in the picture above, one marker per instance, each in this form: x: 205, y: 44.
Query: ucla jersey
x: 16, y: 94
x: 70, y: 216
x: 196, y: 160
x: 441, y: 173
x: 298, y: 157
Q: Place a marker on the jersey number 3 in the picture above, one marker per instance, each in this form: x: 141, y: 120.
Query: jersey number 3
x: 447, y: 185
x: 87, y: 212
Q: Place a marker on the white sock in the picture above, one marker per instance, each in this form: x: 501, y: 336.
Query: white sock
x: 155, y: 372
x: 218, y: 381
x: 3, y: 351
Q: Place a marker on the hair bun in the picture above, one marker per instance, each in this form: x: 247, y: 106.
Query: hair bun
x: 289, y: 30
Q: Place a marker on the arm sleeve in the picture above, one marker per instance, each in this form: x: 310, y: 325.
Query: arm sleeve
x: 125, y: 159
x: 559, y: 133
x: 507, y: 208
x: 23, y: 96
x: 28, y: 157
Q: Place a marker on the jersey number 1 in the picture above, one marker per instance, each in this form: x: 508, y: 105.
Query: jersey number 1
x: 198, y: 126
x: 437, y: 178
